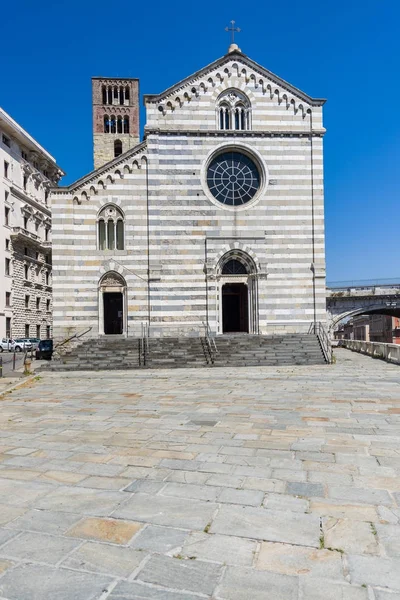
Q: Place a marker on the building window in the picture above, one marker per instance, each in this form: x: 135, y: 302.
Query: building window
x: 48, y: 331
x: 8, y: 327
x: 27, y: 330
x: 6, y: 141
x: 8, y: 298
x: 111, y: 229
x: 37, y: 255
x: 48, y: 304
x: 6, y: 166
x: 117, y: 148
x: 233, y: 111
x: 113, y: 127
x: 47, y: 277
x: 6, y: 216
x: 46, y: 235
x: 25, y: 181
x: 25, y: 222
x: 7, y: 244
x: 106, y: 124
x: 26, y: 253
x: 126, y: 124
x: 26, y: 272
x: 38, y: 303
x: 27, y: 298
x: 8, y: 266
x: 119, y: 124
x: 38, y: 331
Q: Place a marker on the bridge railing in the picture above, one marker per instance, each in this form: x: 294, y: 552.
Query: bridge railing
x: 363, y: 283
x: 388, y: 352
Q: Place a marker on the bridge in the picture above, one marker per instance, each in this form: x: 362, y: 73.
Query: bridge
x: 364, y: 297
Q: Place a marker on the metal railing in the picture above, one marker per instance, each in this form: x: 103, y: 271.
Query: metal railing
x: 75, y: 336
x: 388, y: 352
x: 210, y: 342
x: 361, y: 283
x: 144, y: 344
x: 319, y: 330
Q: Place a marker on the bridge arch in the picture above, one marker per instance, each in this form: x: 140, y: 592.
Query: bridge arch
x: 377, y: 309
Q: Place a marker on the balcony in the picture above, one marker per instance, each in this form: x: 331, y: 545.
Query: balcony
x: 24, y: 236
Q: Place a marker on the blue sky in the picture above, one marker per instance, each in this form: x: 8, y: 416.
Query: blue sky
x: 347, y: 52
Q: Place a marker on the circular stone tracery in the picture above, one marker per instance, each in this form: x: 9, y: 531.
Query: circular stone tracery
x: 233, y: 178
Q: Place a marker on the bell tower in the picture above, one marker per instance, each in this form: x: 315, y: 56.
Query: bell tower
x: 115, y: 117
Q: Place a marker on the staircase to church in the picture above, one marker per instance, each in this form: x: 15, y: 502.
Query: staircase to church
x: 233, y: 350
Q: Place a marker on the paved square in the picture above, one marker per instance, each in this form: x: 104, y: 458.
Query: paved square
x: 226, y: 484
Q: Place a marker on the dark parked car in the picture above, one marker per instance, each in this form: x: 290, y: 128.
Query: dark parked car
x: 44, y: 349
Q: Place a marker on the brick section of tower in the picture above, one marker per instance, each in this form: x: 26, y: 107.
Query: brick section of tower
x: 103, y: 143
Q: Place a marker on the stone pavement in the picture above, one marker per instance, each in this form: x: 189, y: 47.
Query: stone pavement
x: 249, y: 484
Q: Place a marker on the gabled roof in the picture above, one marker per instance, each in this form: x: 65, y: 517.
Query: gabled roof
x: 245, y: 60
x: 103, y: 170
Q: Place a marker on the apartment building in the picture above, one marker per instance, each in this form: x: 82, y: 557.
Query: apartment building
x: 27, y: 172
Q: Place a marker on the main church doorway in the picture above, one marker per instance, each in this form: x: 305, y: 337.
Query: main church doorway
x: 235, y: 311
x: 113, y: 313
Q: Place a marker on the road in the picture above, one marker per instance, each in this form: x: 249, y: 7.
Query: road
x: 7, y: 358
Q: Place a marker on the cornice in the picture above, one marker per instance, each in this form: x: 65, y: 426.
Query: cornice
x: 220, y: 62
x: 233, y: 134
x: 29, y: 200
x: 103, y: 170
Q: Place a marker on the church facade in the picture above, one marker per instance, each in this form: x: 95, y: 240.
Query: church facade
x: 214, y: 222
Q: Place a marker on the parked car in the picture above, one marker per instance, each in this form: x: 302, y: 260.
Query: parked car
x: 6, y: 344
x: 22, y: 344
x: 34, y: 342
x: 44, y: 350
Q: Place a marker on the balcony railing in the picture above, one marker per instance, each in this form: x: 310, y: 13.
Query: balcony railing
x: 25, y: 235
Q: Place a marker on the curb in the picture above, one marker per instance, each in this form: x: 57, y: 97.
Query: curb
x: 18, y: 385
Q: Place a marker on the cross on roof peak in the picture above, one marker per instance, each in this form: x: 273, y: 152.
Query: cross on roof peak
x: 233, y: 30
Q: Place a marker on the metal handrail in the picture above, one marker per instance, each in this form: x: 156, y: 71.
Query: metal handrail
x: 210, y: 341
x: 76, y: 335
x: 144, y: 342
x: 319, y: 330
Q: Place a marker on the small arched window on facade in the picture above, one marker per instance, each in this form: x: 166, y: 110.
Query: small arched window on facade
x: 117, y: 148
x: 106, y: 124
x: 233, y: 111
x: 110, y: 229
x: 119, y: 124
x: 126, y: 124
x: 113, y: 126
x: 104, y: 94
x: 127, y: 93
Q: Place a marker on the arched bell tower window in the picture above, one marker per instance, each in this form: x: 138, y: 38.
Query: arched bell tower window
x: 117, y: 148
x: 110, y: 228
x: 233, y: 111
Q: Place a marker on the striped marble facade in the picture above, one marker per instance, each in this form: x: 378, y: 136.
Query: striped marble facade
x: 177, y: 237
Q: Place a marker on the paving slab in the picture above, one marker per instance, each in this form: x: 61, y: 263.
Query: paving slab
x: 169, y: 511
x: 269, y: 525
x: 296, y: 560
x: 186, y: 575
x: 105, y: 558
x: 37, y: 547
x: 139, y: 591
x: 39, y: 582
x: 247, y: 584
x: 228, y: 550
x: 159, y: 539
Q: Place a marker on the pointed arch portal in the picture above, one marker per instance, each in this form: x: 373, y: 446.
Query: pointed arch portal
x: 238, y: 291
